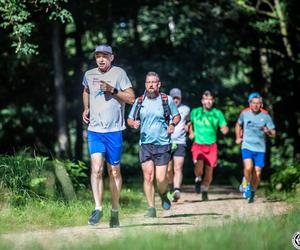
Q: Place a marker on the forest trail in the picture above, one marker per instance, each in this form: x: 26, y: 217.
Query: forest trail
x: 225, y: 205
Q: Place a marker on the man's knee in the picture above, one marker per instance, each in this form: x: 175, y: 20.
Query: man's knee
x: 160, y: 179
x: 114, y: 172
x: 170, y: 172
x: 177, y: 168
x: 148, y: 178
x: 97, y: 172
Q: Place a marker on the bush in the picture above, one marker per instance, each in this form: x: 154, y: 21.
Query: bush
x: 23, y: 177
x: 20, y: 175
x: 286, y: 178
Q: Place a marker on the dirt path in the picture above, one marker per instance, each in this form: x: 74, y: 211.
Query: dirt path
x: 225, y: 205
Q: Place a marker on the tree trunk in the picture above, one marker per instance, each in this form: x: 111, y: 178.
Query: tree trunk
x: 267, y: 93
x: 109, y: 23
x: 77, y: 85
x: 64, y: 180
x: 284, y: 30
x: 59, y: 92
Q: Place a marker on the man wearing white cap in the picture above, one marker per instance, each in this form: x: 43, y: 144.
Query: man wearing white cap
x: 106, y: 90
x: 178, y: 140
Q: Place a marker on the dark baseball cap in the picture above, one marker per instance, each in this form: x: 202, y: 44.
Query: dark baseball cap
x: 104, y: 48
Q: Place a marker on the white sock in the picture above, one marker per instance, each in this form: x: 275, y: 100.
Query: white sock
x: 98, y: 208
x: 198, y: 179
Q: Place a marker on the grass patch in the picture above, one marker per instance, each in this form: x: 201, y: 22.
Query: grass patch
x: 46, y: 214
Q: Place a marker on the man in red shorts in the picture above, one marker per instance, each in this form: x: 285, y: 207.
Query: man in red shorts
x: 204, y: 124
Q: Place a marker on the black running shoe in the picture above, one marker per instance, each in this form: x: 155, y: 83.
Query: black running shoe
x: 114, y: 219
x: 251, y: 199
x: 204, y: 196
x: 151, y: 213
x: 198, y: 187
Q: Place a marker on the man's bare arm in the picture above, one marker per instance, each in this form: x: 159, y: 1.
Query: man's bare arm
x: 86, y: 106
x: 126, y: 96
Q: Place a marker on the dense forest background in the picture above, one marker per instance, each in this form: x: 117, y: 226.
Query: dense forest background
x: 233, y: 47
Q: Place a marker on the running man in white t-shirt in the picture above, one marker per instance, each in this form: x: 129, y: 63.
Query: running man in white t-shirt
x: 106, y: 90
x: 178, y: 140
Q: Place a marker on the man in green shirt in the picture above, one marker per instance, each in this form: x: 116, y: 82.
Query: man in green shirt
x: 204, y: 124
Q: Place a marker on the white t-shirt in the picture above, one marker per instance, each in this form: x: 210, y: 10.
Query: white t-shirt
x: 106, y: 112
x: 179, y: 135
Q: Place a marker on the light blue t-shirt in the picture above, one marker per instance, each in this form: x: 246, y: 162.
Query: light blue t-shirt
x: 106, y: 112
x: 153, y: 128
x: 254, y: 138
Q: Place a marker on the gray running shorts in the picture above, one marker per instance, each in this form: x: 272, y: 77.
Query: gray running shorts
x: 160, y: 155
x: 179, y: 150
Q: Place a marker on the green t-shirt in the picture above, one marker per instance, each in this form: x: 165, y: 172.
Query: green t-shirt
x: 206, y: 124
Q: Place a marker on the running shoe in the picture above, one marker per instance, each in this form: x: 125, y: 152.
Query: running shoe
x: 247, y: 193
x: 243, y: 185
x: 95, y: 217
x: 114, y: 219
x: 198, y: 187
x: 205, y: 196
x: 170, y: 195
x: 251, y: 199
x: 176, y: 195
x: 165, y: 202
x: 151, y: 213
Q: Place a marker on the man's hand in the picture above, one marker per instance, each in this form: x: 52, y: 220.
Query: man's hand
x: 238, y: 140
x: 171, y: 129
x: 85, y: 116
x: 191, y: 135
x: 269, y: 132
x: 136, y: 124
x: 105, y: 87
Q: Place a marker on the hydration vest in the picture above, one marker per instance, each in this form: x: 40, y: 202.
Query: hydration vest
x: 165, y: 104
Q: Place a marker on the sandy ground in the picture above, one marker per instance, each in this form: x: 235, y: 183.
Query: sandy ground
x: 190, y: 212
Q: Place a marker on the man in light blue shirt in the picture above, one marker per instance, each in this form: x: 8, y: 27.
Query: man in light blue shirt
x: 253, y: 125
x: 151, y: 113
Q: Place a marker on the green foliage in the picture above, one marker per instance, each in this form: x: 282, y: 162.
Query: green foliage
x: 267, y: 26
x: 27, y: 178
x: 77, y: 172
x: 19, y: 174
x: 17, y: 15
x: 286, y: 178
x: 46, y: 213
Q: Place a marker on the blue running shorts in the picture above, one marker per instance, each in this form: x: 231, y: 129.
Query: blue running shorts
x: 258, y: 158
x: 109, y: 144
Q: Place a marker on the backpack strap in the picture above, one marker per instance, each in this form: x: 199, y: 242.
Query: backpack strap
x: 136, y: 113
x: 166, y: 107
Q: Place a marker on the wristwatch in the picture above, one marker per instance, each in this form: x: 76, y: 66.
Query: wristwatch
x: 116, y: 91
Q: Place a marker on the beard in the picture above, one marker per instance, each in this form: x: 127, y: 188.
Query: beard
x: 152, y: 95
